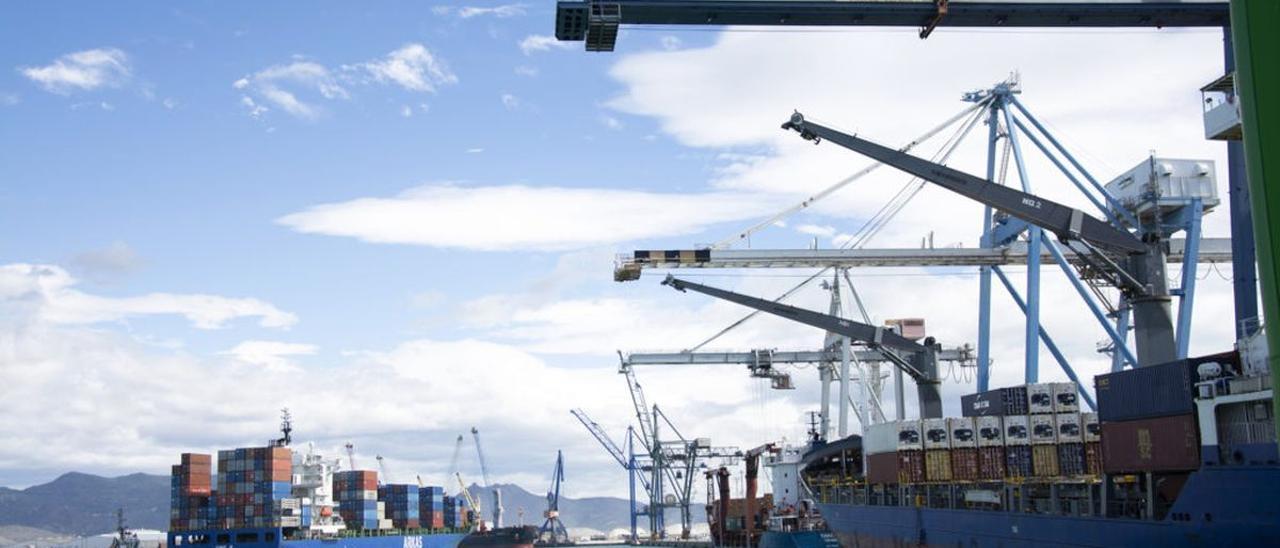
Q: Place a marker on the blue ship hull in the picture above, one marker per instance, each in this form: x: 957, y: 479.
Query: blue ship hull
x: 1218, y: 507
x: 798, y: 539
x: 271, y: 538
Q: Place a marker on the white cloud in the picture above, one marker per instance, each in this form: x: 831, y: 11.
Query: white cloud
x: 281, y: 84
x: 9, y: 99
x: 169, y: 103
x: 475, y: 150
x: 526, y: 70
x: 542, y: 42
x: 816, y: 230
x: 82, y: 71
x: 671, y: 43
x: 611, y: 122
x: 412, y: 67
x: 502, y: 11
x: 510, y: 102
x: 521, y: 217
x: 272, y: 355
x: 49, y: 293
x: 298, y: 87
x: 406, y: 111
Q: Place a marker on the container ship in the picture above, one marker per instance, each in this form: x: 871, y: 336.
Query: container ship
x: 1179, y: 454
x: 274, y: 497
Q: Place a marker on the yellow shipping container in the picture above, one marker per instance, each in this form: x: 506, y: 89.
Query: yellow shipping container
x: 1044, y: 460
x: 937, y: 465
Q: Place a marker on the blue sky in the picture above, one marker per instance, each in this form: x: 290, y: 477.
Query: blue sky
x: 399, y: 219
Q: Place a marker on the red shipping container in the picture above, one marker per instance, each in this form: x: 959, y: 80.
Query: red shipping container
x: 910, y: 466
x: 189, y: 459
x: 1093, y: 458
x: 1151, y: 445
x: 964, y: 464
x: 991, y: 463
x: 882, y: 468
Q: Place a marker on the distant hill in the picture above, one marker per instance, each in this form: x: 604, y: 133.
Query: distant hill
x: 84, y: 504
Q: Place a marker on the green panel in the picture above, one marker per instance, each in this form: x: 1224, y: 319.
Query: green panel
x: 1256, y: 42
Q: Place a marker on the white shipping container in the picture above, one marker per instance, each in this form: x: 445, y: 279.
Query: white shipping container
x: 1017, y: 430
x: 1044, y: 429
x: 990, y: 431
x: 1039, y: 398
x: 909, y: 436
x: 936, y: 435
x: 1066, y: 397
x: 880, y: 438
x: 962, y: 433
x: 1092, y: 430
x: 1069, y: 428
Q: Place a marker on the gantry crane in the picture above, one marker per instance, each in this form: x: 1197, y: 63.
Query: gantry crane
x: 596, y: 22
x: 552, y: 530
x: 484, y: 472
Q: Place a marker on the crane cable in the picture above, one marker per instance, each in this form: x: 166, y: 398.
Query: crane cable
x: 861, y: 237
x: 745, y: 234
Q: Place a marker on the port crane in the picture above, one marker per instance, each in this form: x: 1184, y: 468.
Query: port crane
x: 1134, y: 265
x: 918, y: 360
x: 453, y: 462
x: 351, y: 455
x: 472, y: 503
x: 596, y: 22
x: 383, y: 476
x: 552, y: 530
x: 484, y: 472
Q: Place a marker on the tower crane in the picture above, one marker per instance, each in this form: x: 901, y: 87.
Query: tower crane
x: 351, y: 455
x: 484, y: 472
x: 552, y: 529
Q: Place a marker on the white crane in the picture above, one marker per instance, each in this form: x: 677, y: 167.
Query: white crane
x: 484, y: 472
x: 453, y: 463
x: 383, y: 476
x: 351, y: 455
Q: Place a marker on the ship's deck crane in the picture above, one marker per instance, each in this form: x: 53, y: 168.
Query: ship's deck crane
x: 453, y: 462
x: 484, y: 471
x: 920, y: 362
x: 552, y: 530
x: 1105, y: 248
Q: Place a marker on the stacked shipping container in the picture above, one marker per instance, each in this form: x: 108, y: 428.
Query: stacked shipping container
x: 431, y: 504
x: 1147, y: 417
x: 252, y: 484
x: 190, y: 489
x: 401, y: 505
x: 356, y: 492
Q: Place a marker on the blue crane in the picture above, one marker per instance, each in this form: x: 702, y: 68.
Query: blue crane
x: 552, y: 530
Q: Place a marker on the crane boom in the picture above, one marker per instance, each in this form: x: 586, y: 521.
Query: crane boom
x: 921, y: 363
x: 457, y: 450
x: 1066, y: 222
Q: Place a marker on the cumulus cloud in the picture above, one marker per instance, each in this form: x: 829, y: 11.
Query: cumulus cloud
x: 82, y: 71
x: 541, y: 42
x: 503, y: 11
x: 49, y: 293
x: 521, y: 217
x: 280, y: 85
x: 297, y: 88
x: 412, y: 67
x: 273, y: 355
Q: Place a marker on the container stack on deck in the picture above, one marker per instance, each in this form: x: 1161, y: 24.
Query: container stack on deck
x: 356, y: 492
x: 190, y: 489
x: 937, y: 450
x: 964, y: 449
x: 431, y: 504
x: 1148, y: 421
x: 401, y: 505
x: 453, y: 512
x: 910, y: 461
x: 253, y: 484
